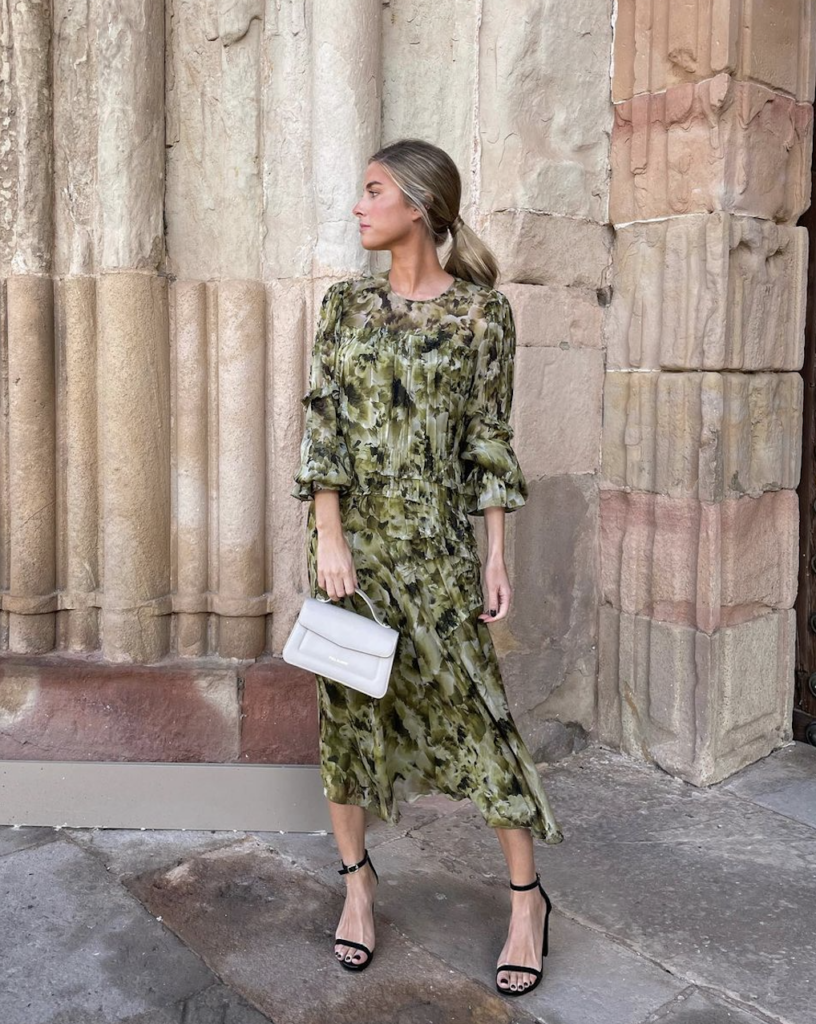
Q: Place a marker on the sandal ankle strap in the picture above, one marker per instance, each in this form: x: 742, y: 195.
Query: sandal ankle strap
x: 532, y: 884
x: 348, y: 868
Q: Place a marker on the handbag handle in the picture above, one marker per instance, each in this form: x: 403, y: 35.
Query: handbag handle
x: 362, y: 594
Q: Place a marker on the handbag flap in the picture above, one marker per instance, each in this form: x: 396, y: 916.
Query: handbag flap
x: 347, y: 628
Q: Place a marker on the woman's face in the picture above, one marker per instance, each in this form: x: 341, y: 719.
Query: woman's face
x: 383, y: 214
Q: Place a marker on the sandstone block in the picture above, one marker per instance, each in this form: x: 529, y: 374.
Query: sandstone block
x: 658, y: 45
x: 557, y: 408
x: 698, y: 564
x: 549, y: 662
x: 56, y: 708
x: 702, y: 435
x: 534, y: 248
x: 708, y: 292
x: 279, y: 715
x: 549, y: 316
x: 715, y: 145
x: 538, y: 61
x: 701, y: 706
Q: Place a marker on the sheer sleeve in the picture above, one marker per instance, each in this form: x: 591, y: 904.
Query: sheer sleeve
x: 493, y: 476
x: 324, y: 457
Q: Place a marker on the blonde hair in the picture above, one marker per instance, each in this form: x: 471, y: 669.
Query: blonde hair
x: 430, y: 181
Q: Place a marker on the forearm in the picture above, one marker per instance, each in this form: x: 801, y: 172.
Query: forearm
x: 494, y: 524
x: 327, y: 512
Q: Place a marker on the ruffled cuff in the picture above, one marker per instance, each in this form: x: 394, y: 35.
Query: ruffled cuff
x: 494, y: 476
x: 325, y: 463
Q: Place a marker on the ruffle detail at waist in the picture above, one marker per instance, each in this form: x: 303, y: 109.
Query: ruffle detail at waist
x: 430, y: 515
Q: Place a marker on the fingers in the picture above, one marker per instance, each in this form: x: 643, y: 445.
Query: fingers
x: 338, y: 584
x: 499, y: 596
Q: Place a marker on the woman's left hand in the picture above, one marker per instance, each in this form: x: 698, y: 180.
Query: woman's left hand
x: 498, y: 592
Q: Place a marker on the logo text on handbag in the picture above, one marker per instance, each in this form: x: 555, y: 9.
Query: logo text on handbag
x: 342, y: 661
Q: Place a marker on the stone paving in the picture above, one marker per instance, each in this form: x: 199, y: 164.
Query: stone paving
x: 671, y: 904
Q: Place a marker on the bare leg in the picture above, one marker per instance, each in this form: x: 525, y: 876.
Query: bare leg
x: 528, y: 909
x: 357, y: 920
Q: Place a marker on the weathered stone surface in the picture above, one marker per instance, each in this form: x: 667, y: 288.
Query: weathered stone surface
x: 548, y: 316
x: 245, y: 910
x: 695, y: 1007
x: 134, y: 461
x: 214, y: 95
x: 99, y: 956
x: 568, y: 383
x: 708, y: 291
x: 26, y: 147
x: 14, y: 838
x: 658, y: 45
x: 129, y: 851
x: 701, y: 706
x: 534, y: 155
x: 716, y: 145
x: 784, y: 782
x: 697, y: 564
x: 556, y: 740
x: 29, y: 492
x: 279, y: 715
x: 535, y: 248
x: 65, y: 709
x: 419, y: 37
x: 549, y: 663
x: 445, y: 903
x: 78, y: 554
x: 705, y: 435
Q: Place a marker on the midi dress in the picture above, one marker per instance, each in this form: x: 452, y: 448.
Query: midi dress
x: 407, y: 417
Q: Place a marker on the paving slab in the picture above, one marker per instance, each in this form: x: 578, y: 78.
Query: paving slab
x: 717, y: 890
x: 696, y: 1007
x: 463, y: 919
x: 319, y: 849
x: 134, y: 851
x: 784, y: 781
x: 74, y: 942
x: 15, y: 837
x: 266, y: 928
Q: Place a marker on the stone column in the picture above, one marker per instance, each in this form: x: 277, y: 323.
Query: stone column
x: 701, y: 455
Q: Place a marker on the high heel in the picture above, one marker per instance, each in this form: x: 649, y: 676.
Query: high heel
x: 351, y: 966
x: 505, y: 989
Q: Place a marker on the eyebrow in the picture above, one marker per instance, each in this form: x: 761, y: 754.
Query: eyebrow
x: 369, y: 183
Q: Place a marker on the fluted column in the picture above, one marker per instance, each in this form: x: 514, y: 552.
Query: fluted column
x: 28, y: 401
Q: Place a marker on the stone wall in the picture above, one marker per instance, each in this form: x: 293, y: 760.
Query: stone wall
x: 177, y: 181
x: 711, y: 156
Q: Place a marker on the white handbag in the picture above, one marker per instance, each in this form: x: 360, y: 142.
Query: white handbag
x: 342, y: 645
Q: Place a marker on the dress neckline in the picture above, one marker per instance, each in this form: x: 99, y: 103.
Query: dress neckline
x: 405, y: 298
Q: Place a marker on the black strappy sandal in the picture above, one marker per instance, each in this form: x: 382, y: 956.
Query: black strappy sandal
x: 505, y: 989
x: 351, y: 966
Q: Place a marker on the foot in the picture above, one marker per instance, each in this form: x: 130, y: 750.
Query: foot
x: 357, y: 919
x: 523, y: 945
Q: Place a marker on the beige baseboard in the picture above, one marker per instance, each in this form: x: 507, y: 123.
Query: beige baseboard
x: 107, y: 794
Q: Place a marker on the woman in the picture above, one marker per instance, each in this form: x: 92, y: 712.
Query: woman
x: 407, y: 435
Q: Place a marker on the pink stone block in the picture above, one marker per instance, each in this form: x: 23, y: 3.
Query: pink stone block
x: 58, y: 708
x: 279, y: 714
x: 714, y: 145
x: 695, y: 563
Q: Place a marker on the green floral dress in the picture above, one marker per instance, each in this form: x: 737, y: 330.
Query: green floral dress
x: 407, y: 417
